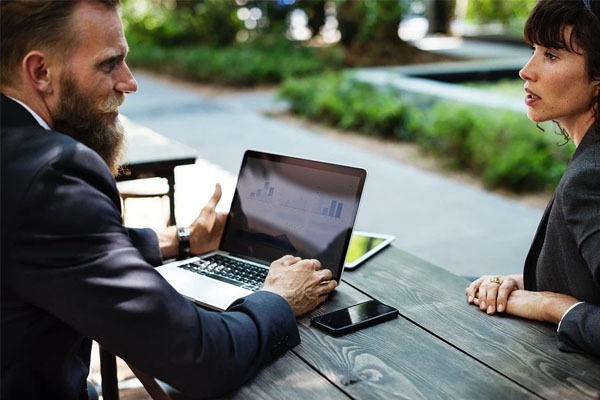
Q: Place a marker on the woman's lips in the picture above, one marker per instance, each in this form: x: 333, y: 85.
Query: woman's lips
x: 531, y: 98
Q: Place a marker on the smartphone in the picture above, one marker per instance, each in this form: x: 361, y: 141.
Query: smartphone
x: 354, y: 317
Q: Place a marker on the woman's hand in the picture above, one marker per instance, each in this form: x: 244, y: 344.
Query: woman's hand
x: 491, y: 292
x: 539, y: 306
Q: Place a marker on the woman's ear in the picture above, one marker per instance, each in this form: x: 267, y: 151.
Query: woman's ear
x: 37, y: 72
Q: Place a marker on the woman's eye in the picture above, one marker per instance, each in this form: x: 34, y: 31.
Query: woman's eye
x: 550, y: 56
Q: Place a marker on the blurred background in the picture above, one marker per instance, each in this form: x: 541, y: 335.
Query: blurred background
x: 383, y: 84
x: 350, y: 33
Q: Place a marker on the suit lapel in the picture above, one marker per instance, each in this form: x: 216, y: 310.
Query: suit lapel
x: 529, y: 271
x: 13, y: 115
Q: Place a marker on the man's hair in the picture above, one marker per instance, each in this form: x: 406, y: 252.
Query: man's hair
x: 545, y: 27
x: 45, y: 25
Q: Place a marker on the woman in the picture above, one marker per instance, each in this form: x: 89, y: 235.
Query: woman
x: 561, y: 279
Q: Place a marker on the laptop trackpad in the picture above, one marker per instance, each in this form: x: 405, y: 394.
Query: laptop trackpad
x: 204, y: 290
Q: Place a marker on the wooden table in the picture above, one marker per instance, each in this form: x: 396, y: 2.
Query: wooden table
x: 150, y: 154
x: 439, y: 347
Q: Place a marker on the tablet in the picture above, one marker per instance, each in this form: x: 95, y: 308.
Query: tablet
x: 364, y: 245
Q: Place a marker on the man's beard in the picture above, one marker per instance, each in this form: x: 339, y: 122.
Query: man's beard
x: 88, y: 123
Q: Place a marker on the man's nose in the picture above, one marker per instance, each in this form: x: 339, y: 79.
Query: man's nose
x: 126, y: 83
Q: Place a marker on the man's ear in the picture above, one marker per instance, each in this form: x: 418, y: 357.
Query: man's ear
x: 36, y: 69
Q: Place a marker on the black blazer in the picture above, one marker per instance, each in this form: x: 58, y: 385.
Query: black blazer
x: 565, y: 254
x: 71, y: 272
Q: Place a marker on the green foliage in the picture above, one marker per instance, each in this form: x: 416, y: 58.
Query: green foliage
x: 196, y: 40
x: 267, y: 60
x: 379, y: 20
x: 209, y: 22
x: 446, y: 130
x: 503, y: 147
x: 369, y: 21
x: 498, y: 10
x: 511, y: 14
x: 347, y: 103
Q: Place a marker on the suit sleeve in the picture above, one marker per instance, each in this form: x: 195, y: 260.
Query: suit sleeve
x: 581, y: 200
x: 72, y: 258
x: 146, y: 241
x: 579, y: 330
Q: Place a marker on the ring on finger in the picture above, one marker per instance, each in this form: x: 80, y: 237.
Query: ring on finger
x: 495, y: 279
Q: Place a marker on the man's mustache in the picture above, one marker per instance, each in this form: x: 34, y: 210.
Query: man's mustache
x: 111, y: 104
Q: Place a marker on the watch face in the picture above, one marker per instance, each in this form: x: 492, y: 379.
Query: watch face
x: 184, y: 242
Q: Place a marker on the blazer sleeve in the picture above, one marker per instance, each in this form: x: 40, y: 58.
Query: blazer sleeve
x: 146, y: 241
x: 71, y: 259
x: 579, y: 330
x: 581, y: 196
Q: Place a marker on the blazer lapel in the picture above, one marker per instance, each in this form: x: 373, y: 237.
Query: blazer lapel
x: 13, y: 115
x: 529, y: 270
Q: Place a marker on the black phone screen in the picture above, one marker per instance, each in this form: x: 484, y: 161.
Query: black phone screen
x: 355, y: 317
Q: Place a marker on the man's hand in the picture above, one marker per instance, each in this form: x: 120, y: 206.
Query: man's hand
x: 302, y: 283
x: 207, y: 229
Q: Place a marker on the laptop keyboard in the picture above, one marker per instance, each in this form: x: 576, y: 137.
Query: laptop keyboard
x: 240, y: 273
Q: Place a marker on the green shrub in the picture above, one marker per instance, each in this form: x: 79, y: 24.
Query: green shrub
x: 502, y: 146
x: 342, y: 101
x: 446, y: 130
x: 210, y: 22
x: 244, y: 64
x: 514, y: 153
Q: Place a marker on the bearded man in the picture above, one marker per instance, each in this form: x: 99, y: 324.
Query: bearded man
x: 71, y: 272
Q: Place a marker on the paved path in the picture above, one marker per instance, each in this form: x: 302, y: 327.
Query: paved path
x: 463, y: 229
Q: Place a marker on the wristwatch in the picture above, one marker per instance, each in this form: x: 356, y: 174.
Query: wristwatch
x: 184, y: 242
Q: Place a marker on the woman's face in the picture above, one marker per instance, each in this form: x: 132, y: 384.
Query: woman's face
x: 558, y: 88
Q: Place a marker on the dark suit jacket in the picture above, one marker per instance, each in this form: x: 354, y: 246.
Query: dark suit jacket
x: 565, y: 254
x: 71, y: 272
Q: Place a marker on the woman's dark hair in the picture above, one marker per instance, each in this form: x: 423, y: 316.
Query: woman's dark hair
x: 547, y: 22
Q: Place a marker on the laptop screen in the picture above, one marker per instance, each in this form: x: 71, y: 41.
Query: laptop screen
x: 285, y: 205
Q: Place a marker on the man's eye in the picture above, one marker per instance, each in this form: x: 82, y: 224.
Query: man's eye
x: 109, y: 65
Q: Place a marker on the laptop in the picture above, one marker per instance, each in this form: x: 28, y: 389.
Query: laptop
x: 281, y: 205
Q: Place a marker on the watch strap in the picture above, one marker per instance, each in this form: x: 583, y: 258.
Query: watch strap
x: 183, y: 234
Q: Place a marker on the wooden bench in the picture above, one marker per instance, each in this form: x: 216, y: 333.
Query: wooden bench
x: 151, y: 155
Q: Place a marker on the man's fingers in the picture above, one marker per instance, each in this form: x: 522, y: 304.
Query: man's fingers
x: 324, y: 274
x: 207, y: 215
x: 216, y: 196
x: 324, y: 290
x: 289, y: 260
x: 328, y: 287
